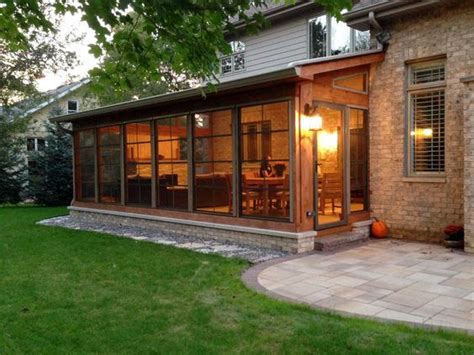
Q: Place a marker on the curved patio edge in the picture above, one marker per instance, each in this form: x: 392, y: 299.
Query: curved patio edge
x: 251, y: 279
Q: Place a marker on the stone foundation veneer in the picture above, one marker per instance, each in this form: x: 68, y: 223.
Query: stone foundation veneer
x: 271, y: 239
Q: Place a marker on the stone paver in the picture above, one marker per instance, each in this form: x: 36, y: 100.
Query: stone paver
x: 394, y: 280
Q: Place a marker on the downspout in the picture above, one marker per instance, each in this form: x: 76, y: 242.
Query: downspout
x: 374, y: 23
x: 381, y: 35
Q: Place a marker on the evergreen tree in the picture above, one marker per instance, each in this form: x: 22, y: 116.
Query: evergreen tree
x: 50, y: 178
x: 12, y: 160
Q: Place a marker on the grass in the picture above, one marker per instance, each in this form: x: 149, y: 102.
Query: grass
x: 67, y: 291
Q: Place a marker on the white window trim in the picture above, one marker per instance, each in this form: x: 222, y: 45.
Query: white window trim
x: 414, y: 89
x: 233, y: 70
x: 35, y: 145
x: 77, y: 105
x: 328, y: 38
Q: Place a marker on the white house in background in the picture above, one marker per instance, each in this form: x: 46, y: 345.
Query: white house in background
x: 65, y: 99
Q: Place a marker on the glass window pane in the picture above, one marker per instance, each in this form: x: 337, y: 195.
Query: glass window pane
x: 109, y: 160
x: 340, y: 37
x: 138, y: 163
x: 265, y: 160
x: 330, y: 168
x: 213, y: 187
x: 277, y: 115
x: 427, y: 131
x: 173, y: 185
x: 358, y: 160
x: 357, y: 82
x: 213, y: 156
x: 86, y: 138
x: 318, y: 35
x: 172, y: 167
x: 361, y: 41
x: 84, y: 155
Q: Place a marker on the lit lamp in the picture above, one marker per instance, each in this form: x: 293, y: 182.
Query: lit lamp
x: 312, y: 120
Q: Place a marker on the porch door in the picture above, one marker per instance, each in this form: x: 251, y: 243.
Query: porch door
x: 330, y: 171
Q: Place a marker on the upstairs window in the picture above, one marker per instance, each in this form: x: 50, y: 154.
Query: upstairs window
x: 35, y: 144
x: 236, y: 61
x: 72, y: 106
x: 329, y: 37
x: 426, y: 118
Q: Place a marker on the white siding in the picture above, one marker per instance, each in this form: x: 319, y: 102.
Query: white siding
x: 273, y: 48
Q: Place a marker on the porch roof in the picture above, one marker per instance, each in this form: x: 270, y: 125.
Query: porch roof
x: 296, y: 71
x: 173, y: 97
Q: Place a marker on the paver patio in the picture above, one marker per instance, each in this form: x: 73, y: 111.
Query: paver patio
x: 394, y: 280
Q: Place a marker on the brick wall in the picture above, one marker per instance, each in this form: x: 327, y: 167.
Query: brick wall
x: 469, y: 164
x: 419, y: 210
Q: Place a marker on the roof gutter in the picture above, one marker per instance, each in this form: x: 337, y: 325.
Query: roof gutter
x: 360, y: 18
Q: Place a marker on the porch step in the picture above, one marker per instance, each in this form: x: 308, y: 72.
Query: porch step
x: 340, y: 240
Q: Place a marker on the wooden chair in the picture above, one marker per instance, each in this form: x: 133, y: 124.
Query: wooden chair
x: 282, y: 195
x: 331, y: 189
x: 249, y: 193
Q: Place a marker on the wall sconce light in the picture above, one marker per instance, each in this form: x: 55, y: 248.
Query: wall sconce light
x: 312, y: 119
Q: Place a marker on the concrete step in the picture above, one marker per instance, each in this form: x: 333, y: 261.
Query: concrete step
x: 340, y: 240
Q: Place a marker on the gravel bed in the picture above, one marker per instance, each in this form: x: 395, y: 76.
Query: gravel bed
x: 201, y: 245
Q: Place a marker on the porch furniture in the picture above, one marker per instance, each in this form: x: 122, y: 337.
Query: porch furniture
x: 250, y: 191
x: 264, y: 185
x: 331, y: 189
x: 211, y: 190
x: 283, y: 196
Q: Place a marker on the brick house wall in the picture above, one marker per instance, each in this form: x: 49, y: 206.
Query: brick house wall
x: 420, y: 209
x: 469, y: 163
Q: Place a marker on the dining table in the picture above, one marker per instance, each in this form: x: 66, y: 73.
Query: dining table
x: 265, y: 184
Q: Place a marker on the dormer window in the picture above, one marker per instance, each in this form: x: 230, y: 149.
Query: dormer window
x: 72, y: 106
x: 236, y: 61
x: 329, y: 37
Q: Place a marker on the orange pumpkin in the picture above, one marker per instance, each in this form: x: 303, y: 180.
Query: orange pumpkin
x: 379, y: 229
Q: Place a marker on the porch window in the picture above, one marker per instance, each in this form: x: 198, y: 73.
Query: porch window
x: 172, y: 162
x: 264, y: 143
x: 84, y: 160
x: 329, y: 37
x: 109, y: 152
x: 138, y: 163
x: 426, y: 119
x: 213, y: 178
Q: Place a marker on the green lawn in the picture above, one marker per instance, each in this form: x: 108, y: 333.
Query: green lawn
x: 65, y: 291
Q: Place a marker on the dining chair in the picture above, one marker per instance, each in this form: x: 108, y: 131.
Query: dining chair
x: 331, y: 189
x: 282, y: 195
x: 249, y: 192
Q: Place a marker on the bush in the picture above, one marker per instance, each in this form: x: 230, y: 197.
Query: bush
x: 50, y: 177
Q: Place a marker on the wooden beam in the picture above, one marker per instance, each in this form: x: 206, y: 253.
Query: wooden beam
x: 310, y: 70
